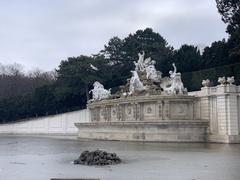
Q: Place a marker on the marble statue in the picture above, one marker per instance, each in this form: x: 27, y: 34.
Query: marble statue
x: 222, y: 80
x: 135, y: 83
x: 206, y: 83
x: 151, y: 71
x: 175, y: 86
x: 98, y: 92
x: 174, y: 72
x: 139, y: 66
x: 230, y: 80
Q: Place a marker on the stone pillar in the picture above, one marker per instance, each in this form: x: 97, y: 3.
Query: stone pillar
x: 213, y: 115
x: 166, y: 110
x: 232, y: 114
x: 138, y: 112
x: 222, y: 114
x: 227, y: 108
x: 227, y: 114
x: 205, y: 108
x: 205, y: 103
x: 160, y: 110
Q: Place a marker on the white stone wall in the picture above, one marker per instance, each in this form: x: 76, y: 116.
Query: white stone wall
x: 221, y: 106
x: 61, y: 124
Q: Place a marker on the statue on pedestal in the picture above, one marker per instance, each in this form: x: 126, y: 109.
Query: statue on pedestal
x: 206, y: 83
x: 222, y: 80
x: 230, y: 80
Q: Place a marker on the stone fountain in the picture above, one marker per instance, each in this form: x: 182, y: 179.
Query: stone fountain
x: 148, y: 108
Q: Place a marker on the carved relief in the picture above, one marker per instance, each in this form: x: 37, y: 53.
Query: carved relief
x: 114, y: 112
x: 144, y: 111
x: 129, y: 112
x: 160, y: 110
x: 95, y: 114
x: 138, y: 108
x: 134, y: 111
x: 166, y: 110
x: 119, y: 113
x: 180, y: 110
x: 104, y: 114
x: 149, y: 110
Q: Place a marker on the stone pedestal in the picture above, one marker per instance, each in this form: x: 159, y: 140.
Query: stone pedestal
x: 146, y: 118
x: 163, y: 131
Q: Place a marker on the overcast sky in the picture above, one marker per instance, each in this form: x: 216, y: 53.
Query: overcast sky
x: 41, y: 33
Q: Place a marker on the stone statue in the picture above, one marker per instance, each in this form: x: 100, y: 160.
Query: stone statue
x: 151, y: 71
x: 222, y: 80
x: 230, y: 80
x: 135, y: 84
x: 206, y: 83
x: 139, y: 66
x: 98, y: 92
x: 175, y: 86
x: 173, y: 73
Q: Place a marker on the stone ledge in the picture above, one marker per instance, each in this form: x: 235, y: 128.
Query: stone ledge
x: 170, y: 131
x: 233, y: 139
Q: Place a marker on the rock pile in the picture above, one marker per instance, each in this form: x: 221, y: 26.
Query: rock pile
x: 98, y: 157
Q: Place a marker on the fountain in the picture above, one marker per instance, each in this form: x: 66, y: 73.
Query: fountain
x: 149, y: 108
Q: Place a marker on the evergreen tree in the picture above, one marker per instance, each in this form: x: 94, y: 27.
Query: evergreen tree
x: 187, y: 58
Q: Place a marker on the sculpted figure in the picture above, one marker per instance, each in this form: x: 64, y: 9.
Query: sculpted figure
x: 222, y: 80
x: 135, y: 83
x: 139, y: 66
x: 98, y: 92
x: 230, y: 80
x: 175, y: 86
x: 206, y: 83
x: 151, y: 71
x: 174, y: 72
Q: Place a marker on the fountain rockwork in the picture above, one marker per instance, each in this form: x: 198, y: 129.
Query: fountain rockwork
x: 152, y: 108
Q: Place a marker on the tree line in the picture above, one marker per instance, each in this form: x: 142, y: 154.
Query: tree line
x: 73, y: 79
x: 14, y: 81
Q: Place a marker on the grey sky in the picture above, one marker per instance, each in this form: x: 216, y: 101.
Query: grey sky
x: 41, y: 33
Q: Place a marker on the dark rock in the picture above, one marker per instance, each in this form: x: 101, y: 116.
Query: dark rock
x: 98, y: 157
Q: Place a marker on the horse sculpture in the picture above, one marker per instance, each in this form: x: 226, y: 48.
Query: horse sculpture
x: 98, y: 92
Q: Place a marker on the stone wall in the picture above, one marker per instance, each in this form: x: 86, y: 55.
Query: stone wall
x: 162, y: 131
x: 221, y: 106
x: 154, y: 108
x: 161, y: 118
x: 61, y: 124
